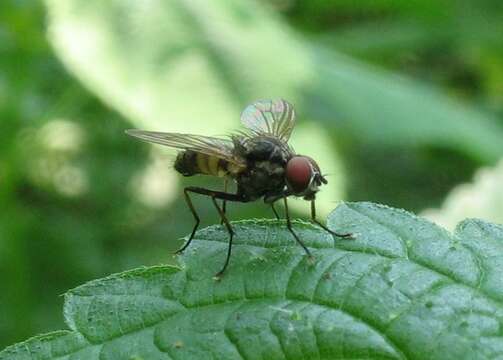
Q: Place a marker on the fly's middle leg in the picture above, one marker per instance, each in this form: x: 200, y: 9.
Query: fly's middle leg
x: 274, y: 211
x: 289, y: 226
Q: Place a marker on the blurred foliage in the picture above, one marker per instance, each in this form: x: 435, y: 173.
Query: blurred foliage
x: 236, y: 52
x: 481, y: 198
x: 173, y: 45
x: 83, y: 201
x: 65, y: 175
x: 455, y: 45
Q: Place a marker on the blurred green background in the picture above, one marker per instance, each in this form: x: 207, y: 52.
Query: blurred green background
x: 401, y: 101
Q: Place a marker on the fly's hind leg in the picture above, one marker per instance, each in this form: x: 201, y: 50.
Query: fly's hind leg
x: 188, y: 200
x: 214, y: 196
x: 231, y: 235
x: 314, y: 220
x: 224, y: 202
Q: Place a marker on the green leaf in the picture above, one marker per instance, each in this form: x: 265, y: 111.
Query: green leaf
x: 403, y: 289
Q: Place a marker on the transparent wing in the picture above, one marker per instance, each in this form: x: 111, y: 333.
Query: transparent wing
x: 221, y: 148
x: 271, y: 117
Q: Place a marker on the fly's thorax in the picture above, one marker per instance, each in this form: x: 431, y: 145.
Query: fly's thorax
x: 266, y: 159
x: 262, y: 178
x: 262, y: 148
x: 189, y: 163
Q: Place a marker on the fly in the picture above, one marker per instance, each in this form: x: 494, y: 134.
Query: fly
x: 258, y: 159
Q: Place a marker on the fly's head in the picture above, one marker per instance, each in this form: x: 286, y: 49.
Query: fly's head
x: 303, y: 177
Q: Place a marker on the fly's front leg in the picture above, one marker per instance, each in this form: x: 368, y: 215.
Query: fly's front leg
x: 314, y: 220
x: 289, y: 226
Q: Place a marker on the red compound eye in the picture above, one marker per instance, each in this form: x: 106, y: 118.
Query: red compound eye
x: 299, y: 172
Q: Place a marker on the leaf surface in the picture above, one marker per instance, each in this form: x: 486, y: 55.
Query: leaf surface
x: 403, y: 289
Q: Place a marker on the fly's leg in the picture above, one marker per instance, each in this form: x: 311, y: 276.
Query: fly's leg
x: 314, y: 220
x: 196, y: 217
x: 271, y: 199
x: 274, y: 211
x: 289, y: 226
x: 224, y: 202
x: 214, y: 196
x: 231, y: 235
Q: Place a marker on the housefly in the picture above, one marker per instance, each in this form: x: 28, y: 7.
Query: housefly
x: 258, y: 159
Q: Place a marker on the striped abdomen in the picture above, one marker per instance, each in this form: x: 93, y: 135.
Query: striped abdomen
x: 190, y: 163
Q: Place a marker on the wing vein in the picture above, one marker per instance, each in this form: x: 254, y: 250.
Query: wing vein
x: 270, y: 117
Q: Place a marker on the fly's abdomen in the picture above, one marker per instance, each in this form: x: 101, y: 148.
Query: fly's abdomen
x: 190, y: 163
